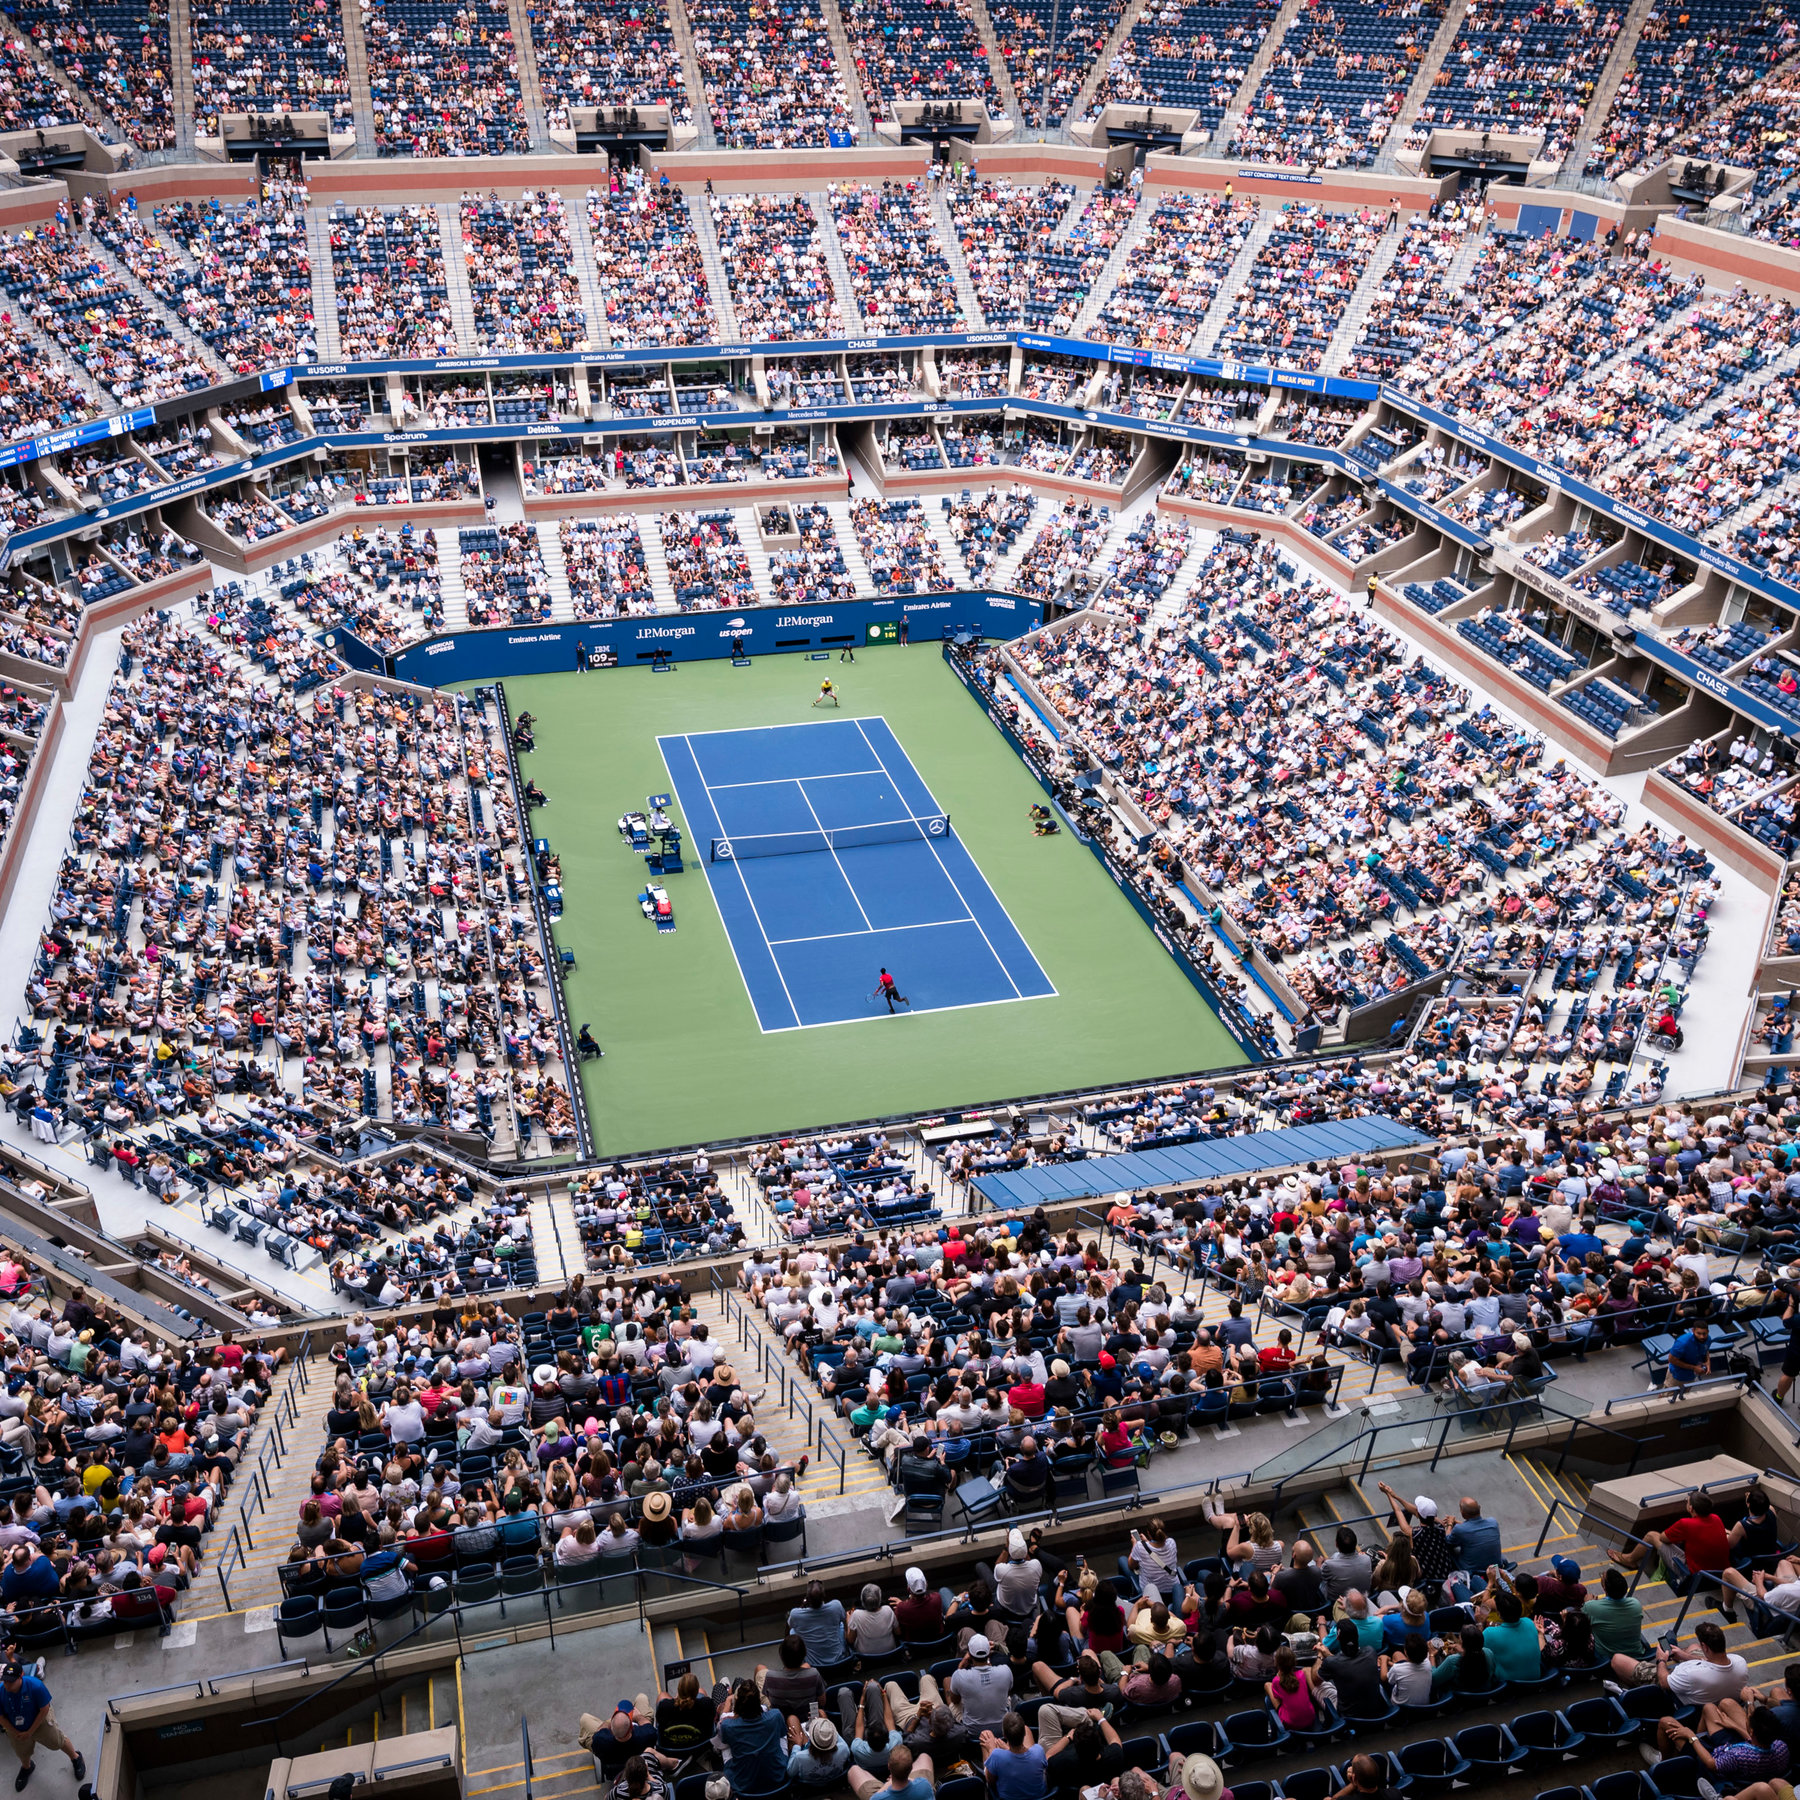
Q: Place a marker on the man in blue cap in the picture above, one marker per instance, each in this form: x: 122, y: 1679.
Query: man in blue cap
x: 26, y: 1713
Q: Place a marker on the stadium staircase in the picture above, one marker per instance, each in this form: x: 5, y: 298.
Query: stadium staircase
x: 714, y: 264
x: 456, y: 596
x: 562, y: 601
x: 1259, y: 66
x: 458, y: 294
x: 852, y: 550
x: 324, y: 283
x: 860, y: 109
x: 754, y: 554
x: 1090, y: 82
x: 1623, y: 50
x: 155, y: 306
x: 181, y: 75
x: 105, y: 125
x: 834, y: 259
x: 662, y: 585
x: 1362, y: 302
x: 1065, y: 228
x: 581, y: 241
x: 959, y: 270
x: 1421, y: 83
x: 1115, y: 267
x: 937, y: 523
x: 531, y: 89
x: 683, y: 33
x: 1234, y: 283
x: 356, y: 71
x: 1003, y: 82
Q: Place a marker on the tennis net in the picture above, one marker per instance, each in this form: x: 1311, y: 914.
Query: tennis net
x: 841, y: 837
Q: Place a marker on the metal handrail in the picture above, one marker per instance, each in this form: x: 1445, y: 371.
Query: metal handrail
x: 1681, y: 1389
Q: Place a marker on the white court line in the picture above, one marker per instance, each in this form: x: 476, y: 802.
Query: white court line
x: 829, y: 845
x: 749, y: 991
x: 964, y: 898
x: 784, y: 780
x: 831, y: 937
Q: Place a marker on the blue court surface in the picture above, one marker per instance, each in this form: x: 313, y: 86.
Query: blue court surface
x: 814, y: 902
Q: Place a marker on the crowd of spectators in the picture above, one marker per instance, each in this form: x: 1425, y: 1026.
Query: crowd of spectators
x: 1521, y: 66
x: 1048, y: 51
x: 1689, y: 61
x: 248, y: 294
x: 918, y: 50
x: 268, y: 56
x: 1336, y: 83
x: 1175, y: 270
x: 118, y: 53
x: 774, y: 256
x: 367, y: 955
x: 900, y: 280
x: 608, y: 577
x: 522, y: 276
x: 29, y: 99
x: 1265, y: 798
x: 771, y: 79
x: 392, y: 291
x: 648, y: 266
x: 811, y: 572
x: 619, y: 55
x: 503, y: 574
x: 899, y: 548
x: 444, y: 78
x: 706, y: 560
x: 1005, y: 233
x: 78, y: 300
x: 1299, y: 286
x: 1186, y: 54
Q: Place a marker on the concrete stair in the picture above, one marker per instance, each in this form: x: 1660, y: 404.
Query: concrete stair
x: 104, y: 122
x: 716, y: 283
x: 1065, y: 226
x: 1229, y: 289
x: 531, y: 89
x: 158, y: 308
x: 456, y: 596
x: 562, y: 601
x: 1423, y: 77
x: 460, y: 296
x: 745, y: 519
x: 938, y: 524
x: 581, y: 240
x: 1259, y: 65
x: 324, y: 283
x: 833, y: 247
x: 662, y: 585
x: 1606, y: 91
x: 1095, y: 302
x: 846, y: 537
x: 959, y: 270
x: 683, y: 34
x: 1003, y: 81
x: 846, y: 62
x: 1090, y: 82
x: 356, y: 70
x: 181, y: 75
x: 1368, y: 291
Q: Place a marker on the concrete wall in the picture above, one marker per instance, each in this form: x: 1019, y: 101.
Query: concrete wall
x: 1330, y: 187
x: 1727, y: 259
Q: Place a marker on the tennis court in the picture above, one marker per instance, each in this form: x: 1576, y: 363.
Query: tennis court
x: 829, y: 859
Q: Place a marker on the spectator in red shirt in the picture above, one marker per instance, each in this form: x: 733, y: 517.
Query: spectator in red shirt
x: 920, y: 1613
x: 1696, y: 1542
x: 1278, y: 1357
x: 1027, y: 1394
